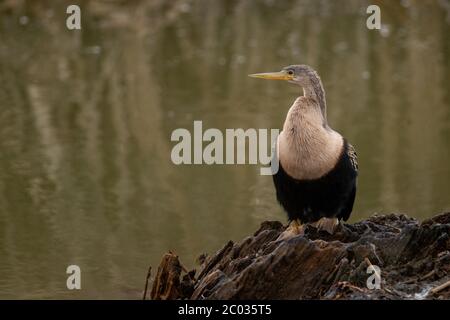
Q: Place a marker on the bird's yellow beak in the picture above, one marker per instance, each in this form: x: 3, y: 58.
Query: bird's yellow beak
x: 281, y: 75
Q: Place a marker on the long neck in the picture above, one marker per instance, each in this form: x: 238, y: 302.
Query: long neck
x: 313, y: 89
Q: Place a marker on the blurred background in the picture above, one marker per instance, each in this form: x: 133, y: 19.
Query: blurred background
x: 86, y: 118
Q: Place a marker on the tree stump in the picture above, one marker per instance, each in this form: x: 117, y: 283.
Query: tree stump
x: 413, y: 260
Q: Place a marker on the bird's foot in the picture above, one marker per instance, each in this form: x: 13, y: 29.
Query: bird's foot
x: 327, y: 224
x: 294, y: 229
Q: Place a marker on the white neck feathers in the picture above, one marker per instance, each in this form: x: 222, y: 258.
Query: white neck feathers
x: 308, y: 149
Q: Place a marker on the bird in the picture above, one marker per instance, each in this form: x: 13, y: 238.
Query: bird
x: 317, y: 172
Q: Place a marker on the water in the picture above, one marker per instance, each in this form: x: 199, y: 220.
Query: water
x: 86, y: 118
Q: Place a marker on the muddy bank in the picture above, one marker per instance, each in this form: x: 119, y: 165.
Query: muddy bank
x: 413, y: 260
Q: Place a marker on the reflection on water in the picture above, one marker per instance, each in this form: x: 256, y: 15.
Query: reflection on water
x: 86, y: 119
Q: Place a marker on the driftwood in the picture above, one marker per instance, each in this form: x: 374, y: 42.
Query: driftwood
x: 413, y: 260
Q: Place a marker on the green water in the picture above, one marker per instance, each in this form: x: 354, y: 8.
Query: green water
x: 86, y: 119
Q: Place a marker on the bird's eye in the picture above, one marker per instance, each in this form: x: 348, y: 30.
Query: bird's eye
x: 290, y: 72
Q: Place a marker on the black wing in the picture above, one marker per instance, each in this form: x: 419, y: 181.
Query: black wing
x: 348, y: 206
x: 351, y: 152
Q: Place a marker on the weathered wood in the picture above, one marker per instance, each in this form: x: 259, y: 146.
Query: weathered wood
x: 413, y: 259
x: 167, y: 284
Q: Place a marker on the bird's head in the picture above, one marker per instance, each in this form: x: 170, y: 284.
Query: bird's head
x: 304, y: 76
x: 299, y: 74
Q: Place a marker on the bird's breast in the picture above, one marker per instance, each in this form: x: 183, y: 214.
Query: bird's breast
x: 308, y: 152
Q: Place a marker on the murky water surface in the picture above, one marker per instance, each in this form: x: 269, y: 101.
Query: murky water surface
x: 86, y: 119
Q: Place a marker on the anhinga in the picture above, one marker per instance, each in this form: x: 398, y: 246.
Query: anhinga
x: 316, y: 180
